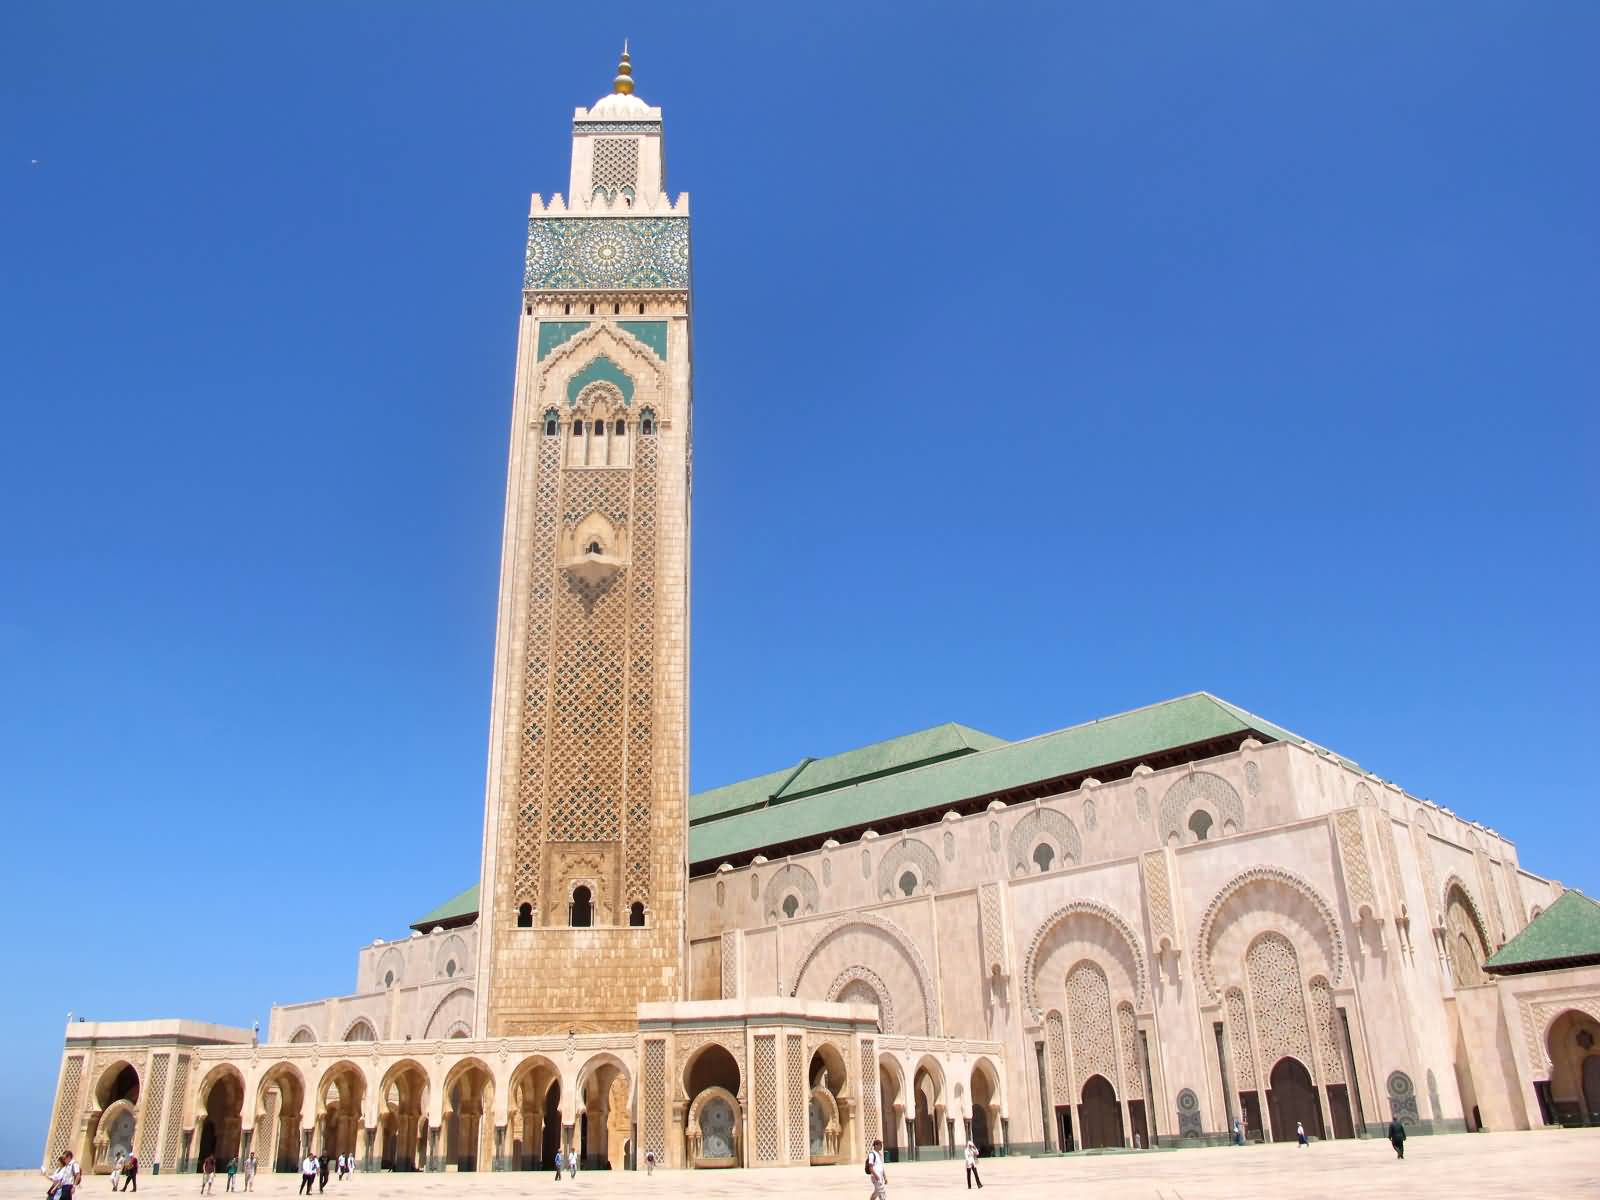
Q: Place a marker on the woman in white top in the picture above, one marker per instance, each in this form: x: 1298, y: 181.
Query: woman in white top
x: 972, y: 1165
x: 64, y: 1178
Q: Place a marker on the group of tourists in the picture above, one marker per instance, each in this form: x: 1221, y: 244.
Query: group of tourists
x: 125, y: 1173
x: 208, y: 1173
x: 315, y: 1168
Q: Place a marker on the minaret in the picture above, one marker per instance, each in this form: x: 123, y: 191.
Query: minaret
x: 581, y: 907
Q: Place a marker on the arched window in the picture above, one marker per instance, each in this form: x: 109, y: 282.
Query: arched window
x: 621, y: 428
x: 577, y: 429
x: 616, y: 309
x: 791, y: 905
x: 908, y: 883
x: 1200, y: 824
x: 388, y: 979
x: 552, y: 424
x: 593, y: 548
x: 450, y: 969
x: 582, y: 915
x: 647, y: 422
x: 636, y: 914
x: 1043, y: 855
x: 525, y: 917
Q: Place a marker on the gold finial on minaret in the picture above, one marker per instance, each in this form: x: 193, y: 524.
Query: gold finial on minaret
x: 623, y: 83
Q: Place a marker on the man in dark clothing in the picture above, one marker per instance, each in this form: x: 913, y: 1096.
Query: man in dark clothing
x: 322, y: 1173
x: 130, y: 1173
x: 1397, y: 1137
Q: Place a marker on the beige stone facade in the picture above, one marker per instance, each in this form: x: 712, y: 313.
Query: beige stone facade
x: 1094, y: 938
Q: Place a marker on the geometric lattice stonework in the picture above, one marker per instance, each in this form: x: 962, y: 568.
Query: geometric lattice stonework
x: 795, y: 1062
x: 1244, y: 1063
x: 1055, y: 1036
x: 1094, y: 1050
x: 150, y: 1118
x: 1327, y: 1041
x: 616, y: 165
x: 869, y: 1093
x: 1129, y: 1030
x: 653, y: 1105
x: 1280, y: 1014
x: 765, y: 1089
x: 180, y: 1085
x: 66, y: 1108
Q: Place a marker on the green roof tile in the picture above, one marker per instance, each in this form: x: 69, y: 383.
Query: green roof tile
x: 464, y: 905
x: 1128, y: 736
x: 1568, y: 930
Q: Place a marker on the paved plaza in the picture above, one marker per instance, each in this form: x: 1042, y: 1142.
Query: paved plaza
x: 1546, y: 1163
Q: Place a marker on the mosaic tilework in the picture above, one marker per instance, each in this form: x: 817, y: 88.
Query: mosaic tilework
x: 573, y: 253
x: 641, y: 680
x: 1244, y: 1060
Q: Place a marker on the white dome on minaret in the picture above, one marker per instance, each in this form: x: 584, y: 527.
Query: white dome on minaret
x: 621, y: 102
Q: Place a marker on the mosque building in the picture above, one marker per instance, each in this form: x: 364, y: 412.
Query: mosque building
x: 1137, y: 931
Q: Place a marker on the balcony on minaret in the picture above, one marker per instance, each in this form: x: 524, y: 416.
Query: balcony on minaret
x: 594, y: 554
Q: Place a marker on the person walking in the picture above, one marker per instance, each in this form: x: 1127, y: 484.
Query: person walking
x: 649, y: 1163
x: 1300, y: 1134
x: 233, y: 1172
x: 308, y: 1174
x: 877, y: 1172
x: 208, y: 1173
x: 64, y: 1179
x: 116, y: 1172
x: 1238, y: 1132
x: 972, y: 1165
x: 572, y: 1164
x: 350, y: 1165
x: 322, y: 1172
x: 1397, y: 1137
x: 130, y: 1173
x: 250, y: 1172
x: 560, y: 1162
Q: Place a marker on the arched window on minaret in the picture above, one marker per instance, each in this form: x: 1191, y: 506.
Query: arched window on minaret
x: 647, y: 421
x: 552, y: 422
x: 636, y: 915
x: 582, y: 914
x: 525, y: 916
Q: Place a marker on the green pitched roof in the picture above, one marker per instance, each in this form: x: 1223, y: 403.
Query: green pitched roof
x: 811, y: 776
x: 930, y: 769
x: 1565, y: 934
x: 453, y: 909
x: 1123, y: 738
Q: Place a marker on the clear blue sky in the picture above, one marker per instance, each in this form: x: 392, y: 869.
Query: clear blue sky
x: 1051, y: 360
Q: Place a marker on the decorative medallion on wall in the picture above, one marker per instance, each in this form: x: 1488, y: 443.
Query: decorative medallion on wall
x: 1402, y: 1098
x: 565, y: 253
x: 1188, y: 1113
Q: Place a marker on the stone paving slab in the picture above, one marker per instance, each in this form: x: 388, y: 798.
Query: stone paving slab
x: 1530, y: 1166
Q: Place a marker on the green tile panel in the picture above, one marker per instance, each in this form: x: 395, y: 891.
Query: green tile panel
x: 651, y: 333
x: 600, y: 367
x: 556, y: 333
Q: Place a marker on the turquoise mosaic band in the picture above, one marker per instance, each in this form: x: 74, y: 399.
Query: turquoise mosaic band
x: 607, y: 253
